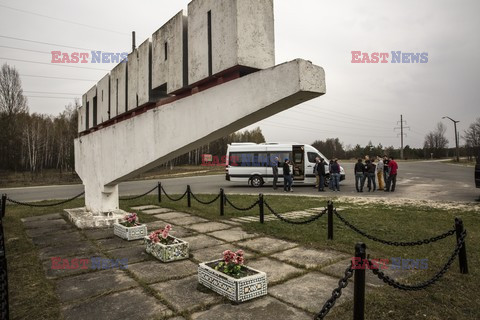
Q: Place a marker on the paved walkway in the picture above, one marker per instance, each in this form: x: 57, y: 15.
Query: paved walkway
x: 300, y: 279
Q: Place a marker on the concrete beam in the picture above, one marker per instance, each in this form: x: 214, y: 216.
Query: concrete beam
x: 118, y: 89
x: 103, y: 99
x: 130, y: 147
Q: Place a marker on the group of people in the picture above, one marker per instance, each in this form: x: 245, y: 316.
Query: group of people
x: 385, y: 171
x: 320, y: 174
x: 287, y: 174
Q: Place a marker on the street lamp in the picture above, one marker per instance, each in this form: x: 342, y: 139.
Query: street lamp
x: 456, y: 139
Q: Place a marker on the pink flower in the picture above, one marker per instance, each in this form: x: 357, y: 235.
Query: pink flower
x: 154, y: 237
x: 165, y: 234
x: 229, y: 256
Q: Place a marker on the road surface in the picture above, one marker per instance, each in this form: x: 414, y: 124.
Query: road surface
x: 426, y: 180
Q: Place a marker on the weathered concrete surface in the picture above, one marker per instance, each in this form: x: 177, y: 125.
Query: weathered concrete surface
x: 276, y: 271
x: 118, y: 89
x: 201, y: 241
x: 69, y: 248
x: 155, y: 271
x: 133, y: 254
x: 138, y: 144
x: 186, y: 294
x: 170, y: 70
x: 99, y: 233
x: 142, y: 208
x: 92, y: 284
x: 49, y: 231
x: 135, y: 302
x: 266, y: 308
x: 267, y: 245
x: 84, y: 219
x: 157, y: 210
x: 172, y: 215
x: 55, y: 239
x: 216, y: 252
x: 310, y: 258
x: 51, y: 216
x: 58, y: 273
x: 209, y: 226
x: 242, y: 33
x: 310, y: 291
x: 53, y: 223
x: 103, y: 99
x: 185, y: 220
x: 232, y: 235
x: 116, y: 242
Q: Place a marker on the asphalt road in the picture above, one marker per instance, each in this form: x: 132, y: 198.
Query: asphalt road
x: 425, y: 180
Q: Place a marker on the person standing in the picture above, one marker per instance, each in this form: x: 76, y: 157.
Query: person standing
x: 385, y: 169
x: 335, y: 175
x: 290, y: 165
x: 366, y: 165
x: 330, y: 183
x: 380, y: 173
x: 358, y: 171
x: 392, y: 176
x: 372, y: 169
x: 321, y: 175
x: 315, y: 172
x: 286, y: 176
x: 275, y: 172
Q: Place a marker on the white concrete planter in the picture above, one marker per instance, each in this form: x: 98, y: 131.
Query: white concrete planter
x: 237, y: 290
x: 167, y: 253
x: 130, y: 233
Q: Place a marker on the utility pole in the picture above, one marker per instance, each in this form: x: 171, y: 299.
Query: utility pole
x: 456, y: 136
x: 401, y: 134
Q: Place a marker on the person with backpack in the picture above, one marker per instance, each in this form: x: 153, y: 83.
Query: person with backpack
x: 335, y: 175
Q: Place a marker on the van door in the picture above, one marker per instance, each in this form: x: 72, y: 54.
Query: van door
x: 298, y: 157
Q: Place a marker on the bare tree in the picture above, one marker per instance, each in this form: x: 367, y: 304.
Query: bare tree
x: 472, y: 138
x: 12, y: 100
x: 436, y: 142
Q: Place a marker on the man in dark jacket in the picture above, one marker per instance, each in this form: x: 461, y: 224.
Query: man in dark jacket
x: 321, y: 175
x: 286, y: 176
x: 358, y: 172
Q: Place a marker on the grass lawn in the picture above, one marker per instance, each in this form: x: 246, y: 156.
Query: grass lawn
x: 453, y: 297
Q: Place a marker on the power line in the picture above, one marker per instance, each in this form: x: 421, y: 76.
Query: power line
x: 47, y: 43
x: 63, y: 20
x: 15, y: 48
x: 63, y: 98
x: 46, y: 92
x: 54, y: 64
x: 60, y: 78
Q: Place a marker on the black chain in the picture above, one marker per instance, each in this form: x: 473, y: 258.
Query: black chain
x: 205, y: 202
x: 309, y: 220
x: 44, y: 205
x: 136, y: 197
x: 395, y: 243
x: 238, y: 208
x: 173, y: 199
x: 336, y: 293
x: 425, y: 284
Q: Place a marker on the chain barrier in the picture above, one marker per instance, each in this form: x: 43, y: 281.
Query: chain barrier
x: 422, y: 285
x: 44, y: 205
x: 205, y: 202
x: 139, y: 196
x: 309, y: 220
x: 395, y: 243
x: 336, y: 293
x: 238, y: 208
x: 173, y: 199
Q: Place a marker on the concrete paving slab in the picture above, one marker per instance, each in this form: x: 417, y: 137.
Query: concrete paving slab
x: 232, y: 235
x: 201, y: 241
x: 49, y: 230
x: 276, y: 271
x: 135, y: 303
x: 92, y: 284
x: 155, y: 271
x: 172, y: 215
x: 99, y: 233
x: 310, y: 258
x: 116, y: 242
x: 267, y: 245
x: 132, y: 254
x: 157, y: 210
x: 184, y: 294
x: 141, y: 208
x: 233, y: 223
x: 177, y: 231
x: 186, y: 220
x: 51, y: 216
x: 209, y: 226
x: 53, y: 223
x: 69, y: 248
x: 264, y: 308
x: 56, y: 239
x: 310, y: 292
x: 216, y: 252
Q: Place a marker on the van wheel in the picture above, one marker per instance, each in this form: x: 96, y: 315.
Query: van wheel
x: 256, y: 181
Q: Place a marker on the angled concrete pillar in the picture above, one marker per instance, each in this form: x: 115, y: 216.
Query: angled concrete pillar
x: 123, y: 150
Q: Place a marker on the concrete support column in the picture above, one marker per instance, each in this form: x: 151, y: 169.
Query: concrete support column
x: 101, y: 199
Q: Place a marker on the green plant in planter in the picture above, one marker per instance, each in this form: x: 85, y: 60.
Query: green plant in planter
x: 130, y: 220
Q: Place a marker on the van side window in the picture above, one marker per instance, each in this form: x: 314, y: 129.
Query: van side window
x: 311, y: 156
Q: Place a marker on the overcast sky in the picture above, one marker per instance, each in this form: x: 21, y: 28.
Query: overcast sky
x: 363, y: 101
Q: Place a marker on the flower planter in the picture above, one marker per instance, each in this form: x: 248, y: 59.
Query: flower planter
x: 237, y: 290
x: 167, y: 252
x: 130, y: 233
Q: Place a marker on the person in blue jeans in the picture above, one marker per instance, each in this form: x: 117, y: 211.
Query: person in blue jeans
x: 358, y: 171
x: 287, y: 178
x: 335, y: 174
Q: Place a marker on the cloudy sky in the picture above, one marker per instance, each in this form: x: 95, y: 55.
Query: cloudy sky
x: 363, y: 101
